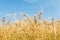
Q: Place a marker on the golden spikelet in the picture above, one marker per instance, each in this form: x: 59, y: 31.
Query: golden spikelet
x: 30, y: 29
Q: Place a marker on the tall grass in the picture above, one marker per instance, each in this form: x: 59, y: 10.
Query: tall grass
x: 30, y: 29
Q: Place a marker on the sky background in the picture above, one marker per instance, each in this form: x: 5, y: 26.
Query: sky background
x: 9, y: 7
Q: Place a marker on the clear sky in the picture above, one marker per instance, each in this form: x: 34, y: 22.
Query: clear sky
x: 51, y: 7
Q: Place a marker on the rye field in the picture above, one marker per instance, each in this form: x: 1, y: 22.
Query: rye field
x: 35, y: 28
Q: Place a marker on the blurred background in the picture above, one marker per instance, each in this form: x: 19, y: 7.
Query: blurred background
x: 51, y: 8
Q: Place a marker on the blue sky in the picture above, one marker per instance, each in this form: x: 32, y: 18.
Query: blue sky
x: 51, y: 7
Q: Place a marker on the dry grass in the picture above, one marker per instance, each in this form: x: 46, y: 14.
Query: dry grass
x: 30, y: 29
